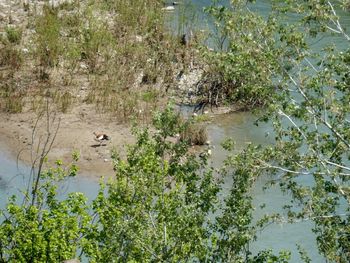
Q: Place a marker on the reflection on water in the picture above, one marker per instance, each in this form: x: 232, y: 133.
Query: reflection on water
x: 3, y: 183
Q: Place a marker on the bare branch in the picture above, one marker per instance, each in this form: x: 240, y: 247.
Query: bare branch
x: 336, y: 22
x: 314, y: 113
x: 338, y: 165
x: 44, y: 149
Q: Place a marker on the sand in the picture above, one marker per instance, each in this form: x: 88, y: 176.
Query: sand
x: 75, y: 133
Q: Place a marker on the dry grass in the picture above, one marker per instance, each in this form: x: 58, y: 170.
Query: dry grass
x: 195, y: 134
x: 119, y: 51
x: 11, y: 98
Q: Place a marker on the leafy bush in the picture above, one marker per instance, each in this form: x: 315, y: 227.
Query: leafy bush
x: 243, y: 65
x: 162, y: 205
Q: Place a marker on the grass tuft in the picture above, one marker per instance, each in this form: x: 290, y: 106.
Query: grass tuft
x: 14, y: 35
x: 195, y: 134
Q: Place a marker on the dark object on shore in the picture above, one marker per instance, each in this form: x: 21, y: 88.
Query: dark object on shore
x: 186, y: 38
x: 200, y: 106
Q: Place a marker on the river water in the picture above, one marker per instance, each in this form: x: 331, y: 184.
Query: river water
x: 14, y: 179
x: 239, y: 126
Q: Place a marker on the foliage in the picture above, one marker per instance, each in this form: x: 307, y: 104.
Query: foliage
x: 163, y: 198
x: 48, y: 230
x: 316, y: 137
x: 157, y: 203
x: 163, y: 204
x: 253, y: 53
x: 245, y: 61
x: 309, y: 114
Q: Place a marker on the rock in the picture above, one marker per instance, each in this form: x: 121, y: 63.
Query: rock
x: 187, y: 81
x: 168, y: 8
x: 138, y: 39
x: 83, y: 66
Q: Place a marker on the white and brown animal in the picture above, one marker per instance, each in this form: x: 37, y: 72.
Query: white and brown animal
x: 101, y: 137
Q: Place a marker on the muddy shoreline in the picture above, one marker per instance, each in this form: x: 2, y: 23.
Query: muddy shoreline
x: 75, y: 133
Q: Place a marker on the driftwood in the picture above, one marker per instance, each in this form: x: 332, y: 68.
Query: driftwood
x: 71, y: 261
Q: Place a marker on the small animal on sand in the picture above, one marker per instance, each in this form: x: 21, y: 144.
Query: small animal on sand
x: 101, y: 137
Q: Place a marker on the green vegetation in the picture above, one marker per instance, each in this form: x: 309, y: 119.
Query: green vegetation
x: 49, y: 46
x: 165, y: 204
x: 306, y: 91
x: 245, y: 62
x: 13, y: 35
x: 161, y: 200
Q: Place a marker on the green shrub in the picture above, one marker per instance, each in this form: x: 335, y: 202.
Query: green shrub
x: 14, y: 35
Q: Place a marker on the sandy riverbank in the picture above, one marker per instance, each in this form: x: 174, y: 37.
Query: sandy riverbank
x: 74, y: 134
